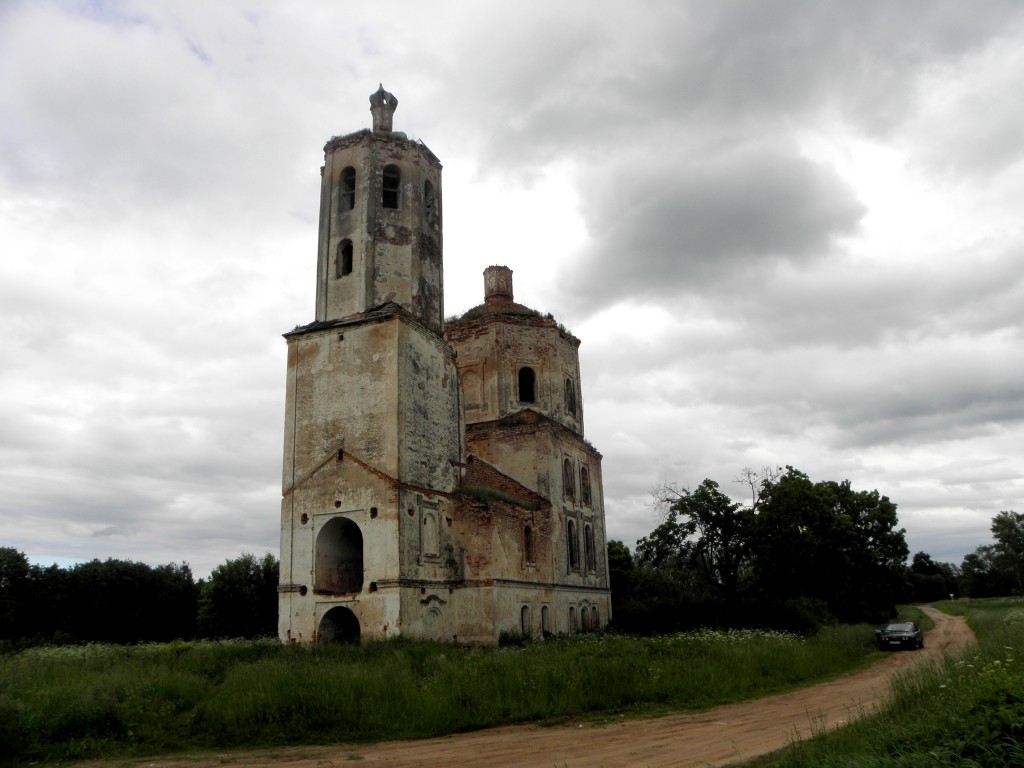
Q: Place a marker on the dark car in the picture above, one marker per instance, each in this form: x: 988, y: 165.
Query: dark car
x: 899, y: 634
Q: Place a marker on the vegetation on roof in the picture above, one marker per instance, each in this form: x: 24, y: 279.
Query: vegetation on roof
x: 483, y: 311
x: 518, y: 310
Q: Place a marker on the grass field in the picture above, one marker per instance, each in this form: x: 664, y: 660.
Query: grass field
x: 964, y: 711
x: 101, y: 700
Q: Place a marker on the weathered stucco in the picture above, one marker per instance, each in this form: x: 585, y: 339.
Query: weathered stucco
x: 396, y: 252
x: 426, y: 477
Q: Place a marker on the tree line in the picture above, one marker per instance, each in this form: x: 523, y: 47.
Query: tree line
x: 121, y: 601
x: 800, y: 554
x: 991, y: 570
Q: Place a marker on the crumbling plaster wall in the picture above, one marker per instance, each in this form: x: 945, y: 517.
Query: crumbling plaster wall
x: 396, y: 251
x: 342, y: 382
x: 491, y: 350
x: 340, y: 488
x: 372, y: 434
x: 533, y: 454
x: 429, y: 418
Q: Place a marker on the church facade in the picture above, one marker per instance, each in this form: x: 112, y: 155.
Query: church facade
x: 436, y: 479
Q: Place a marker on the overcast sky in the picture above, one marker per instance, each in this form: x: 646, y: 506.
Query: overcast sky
x: 786, y: 233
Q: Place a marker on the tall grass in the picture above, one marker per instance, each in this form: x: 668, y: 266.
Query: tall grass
x: 95, y: 701
x: 965, y: 710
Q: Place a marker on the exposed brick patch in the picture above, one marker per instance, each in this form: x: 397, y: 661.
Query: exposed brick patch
x: 478, y: 473
x: 525, y: 423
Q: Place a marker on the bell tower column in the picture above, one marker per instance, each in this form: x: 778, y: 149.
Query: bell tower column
x: 372, y: 437
x: 380, y: 223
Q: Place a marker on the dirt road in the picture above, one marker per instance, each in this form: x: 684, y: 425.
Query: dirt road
x: 719, y: 736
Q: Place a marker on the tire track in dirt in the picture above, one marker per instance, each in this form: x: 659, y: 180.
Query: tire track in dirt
x: 719, y: 736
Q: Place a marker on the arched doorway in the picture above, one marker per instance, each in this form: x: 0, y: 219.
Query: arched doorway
x: 339, y: 625
x: 339, y: 557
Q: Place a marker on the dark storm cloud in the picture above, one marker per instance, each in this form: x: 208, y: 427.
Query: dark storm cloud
x: 847, y: 303
x: 672, y: 225
x: 684, y: 121
x: 925, y: 399
x: 599, y: 79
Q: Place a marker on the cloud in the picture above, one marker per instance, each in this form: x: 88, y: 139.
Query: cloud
x: 589, y: 80
x: 666, y: 227
x: 786, y: 232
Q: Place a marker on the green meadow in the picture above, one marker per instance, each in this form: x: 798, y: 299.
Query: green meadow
x: 94, y: 701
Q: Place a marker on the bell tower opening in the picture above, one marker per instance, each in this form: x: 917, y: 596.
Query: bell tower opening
x: 380, y: 222
x: 391, y: 186
x: 347, y: 200
x: 338, y: 566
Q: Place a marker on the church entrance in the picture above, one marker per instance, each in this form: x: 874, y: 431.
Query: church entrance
x: 339, y: 625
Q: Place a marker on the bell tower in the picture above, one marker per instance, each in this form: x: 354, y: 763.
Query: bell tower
x: 372, y: 439
x: 380, y: 223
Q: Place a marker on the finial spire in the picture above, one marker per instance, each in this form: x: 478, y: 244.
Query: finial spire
x: 382, y: 107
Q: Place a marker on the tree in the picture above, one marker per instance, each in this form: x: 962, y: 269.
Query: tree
x: 122, y: 601
x: 830, y: 546
x: 800, y: 554
x: 240, y: 599
x: 114, y: 601
x: 983, y: 574
x: 1008, y: 530
x: 708, y: 531
x: 879, y: 553
x: 651, y: 599
x: 931, y: 581
x: 14, y: 570
x: 800, y: 548
x: 46, y: 615
x: 620, y: 568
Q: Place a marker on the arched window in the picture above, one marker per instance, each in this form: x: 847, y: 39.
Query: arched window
x: 527, y: 385
x: 572, y: 545
x: 595, y: 617
x: 589, y: 552
x: 344, y: 258
x: 528, y: 544
x: 584, y: 485
x: 392, y: 179
x: 568, y: 480
x: 544, y: 625
x: 585, y: 618
x: 524, y: 621
x: 570, y: 397
x: 573, y: 626
x: 429, y: 203
x: 338, y: 564
x: 347, y: 198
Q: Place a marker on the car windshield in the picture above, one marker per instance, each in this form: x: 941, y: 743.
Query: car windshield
x: 903, y: 626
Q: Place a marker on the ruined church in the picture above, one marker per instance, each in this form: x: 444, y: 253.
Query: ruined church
x: 436, y: 481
